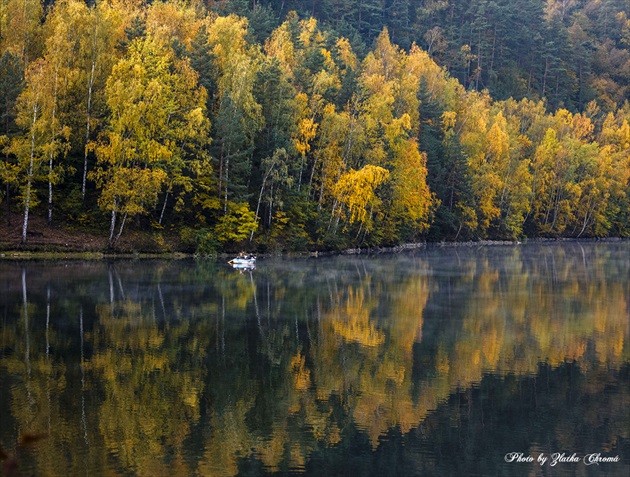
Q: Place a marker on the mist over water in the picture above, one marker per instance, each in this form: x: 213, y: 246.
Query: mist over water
x: 437, y: 362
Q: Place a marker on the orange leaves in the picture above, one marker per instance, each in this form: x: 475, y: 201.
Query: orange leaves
x: 499, y: 167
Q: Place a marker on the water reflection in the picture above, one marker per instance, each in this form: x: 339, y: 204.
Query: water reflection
x: 434, y: 363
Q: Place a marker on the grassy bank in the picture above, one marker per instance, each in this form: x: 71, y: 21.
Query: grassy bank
x: 45, y: 240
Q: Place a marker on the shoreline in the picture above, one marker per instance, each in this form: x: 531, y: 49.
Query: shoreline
x: 16, y: 254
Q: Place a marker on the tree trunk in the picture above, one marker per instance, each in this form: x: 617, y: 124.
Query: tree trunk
x: 587, y: 216
x: 27, y: 350
x: 27, y: 194
x: 87, y: 130
x: 227, y: 176
x: 270, y: 206
x: 163, y: 208
x: 478, y: 70
x: 52, y: 148
x: 310, y: 181
x: 580, y: 87
x: 220, y: 174
x: 50, y: 190
x: 120, y: 231
x: 494, y: 44
x: 6, y: 158
x: 332, y: 214
x: 262, y: 188
x: 321, y: 194
x: 112, y: 225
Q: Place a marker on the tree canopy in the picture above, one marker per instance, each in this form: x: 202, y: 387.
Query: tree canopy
x: 265, y: 125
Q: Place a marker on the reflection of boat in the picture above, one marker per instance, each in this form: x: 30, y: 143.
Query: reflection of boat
x: 248, y: 263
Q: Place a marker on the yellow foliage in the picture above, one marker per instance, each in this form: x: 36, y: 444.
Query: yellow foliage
x: 498, y: 141
x: 356, y: 190
x: 226, y: 37
x: 324, y: 81
x: 582, y: 127
x: 448, y: 120
x: 411, y: 193
x: 398, y: 129
x: 307, y: 128
x: 354, y: 323
x: 309, y: 33
x: 280, y: 47
x: 301, y: 375
x: 172, y: 20
x: 346, y: 54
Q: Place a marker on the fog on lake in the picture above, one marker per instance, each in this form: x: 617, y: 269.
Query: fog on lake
x: 441, y: 361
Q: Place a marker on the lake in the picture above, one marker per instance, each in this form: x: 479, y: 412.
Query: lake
x: 457, y: 361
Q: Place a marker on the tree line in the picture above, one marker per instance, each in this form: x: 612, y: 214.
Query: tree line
x: 230, y: 129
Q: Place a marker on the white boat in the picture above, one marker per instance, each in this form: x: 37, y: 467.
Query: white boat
x: 243, y: 262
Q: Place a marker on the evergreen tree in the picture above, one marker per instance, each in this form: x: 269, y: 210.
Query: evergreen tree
x: 10, y: 88
x: 137, y: 29
x: 203, y: 62
x: 398, y: 20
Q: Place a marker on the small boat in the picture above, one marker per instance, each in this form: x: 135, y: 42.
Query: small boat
x: 248, y: 262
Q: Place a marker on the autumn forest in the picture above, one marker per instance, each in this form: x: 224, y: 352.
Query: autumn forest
x: 301, y: 125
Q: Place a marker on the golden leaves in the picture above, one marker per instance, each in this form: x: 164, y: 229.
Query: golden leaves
x: 356, y: 190
x: 226, y: 37
x: 172, y: 20
x: 353, y: 322
x: 157, y: 108
x: 347, y: 56
x: 306, y: 131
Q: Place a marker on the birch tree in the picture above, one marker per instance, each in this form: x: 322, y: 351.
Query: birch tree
x: 238, y: 115
x: 29, y: 148
x: 99, y: 33
x: 157, y: 111
x: 59, y: 52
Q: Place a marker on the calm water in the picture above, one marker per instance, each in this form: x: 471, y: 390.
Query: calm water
x: 439, y: 363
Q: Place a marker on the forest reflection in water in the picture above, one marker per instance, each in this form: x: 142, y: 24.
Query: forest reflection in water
x: 437, y: 362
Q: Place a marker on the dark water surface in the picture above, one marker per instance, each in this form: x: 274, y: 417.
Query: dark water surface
x: 440, y: 362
